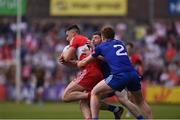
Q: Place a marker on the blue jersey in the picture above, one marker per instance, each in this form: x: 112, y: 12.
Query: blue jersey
x: 104, y: 68
x: 115, y: 53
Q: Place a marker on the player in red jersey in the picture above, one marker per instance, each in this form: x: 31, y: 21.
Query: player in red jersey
x: 135, y: 58
x: 88, y: 76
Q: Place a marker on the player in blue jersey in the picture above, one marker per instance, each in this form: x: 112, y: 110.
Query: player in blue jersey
x: 122, y: 96
x: 123, y: 73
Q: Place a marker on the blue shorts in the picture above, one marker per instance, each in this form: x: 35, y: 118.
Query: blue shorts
x: 129, y: 80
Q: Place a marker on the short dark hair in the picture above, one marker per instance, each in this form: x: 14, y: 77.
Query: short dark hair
x: 75, y: 27
x: 108, y: 32
x: 97, y: 33
x: 130, y: 44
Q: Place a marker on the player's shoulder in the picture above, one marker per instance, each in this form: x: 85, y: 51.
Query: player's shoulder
x: 101, y: 45
x: 117, y: 41
x: 79, y: 40
x: 109, y: 42
x: 80, y: 37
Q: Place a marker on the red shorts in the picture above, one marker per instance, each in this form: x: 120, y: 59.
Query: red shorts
x: 88, y: 78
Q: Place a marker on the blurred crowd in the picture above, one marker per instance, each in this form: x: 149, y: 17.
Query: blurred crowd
x: 158, y: 45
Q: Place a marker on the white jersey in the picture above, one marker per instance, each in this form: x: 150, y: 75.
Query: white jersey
x: 81, y: 51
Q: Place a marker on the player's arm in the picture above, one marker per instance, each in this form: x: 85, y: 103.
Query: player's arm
x: 71, y: 63
x: 71, y: 52
x: 85, y: 61
x: 89, y: 58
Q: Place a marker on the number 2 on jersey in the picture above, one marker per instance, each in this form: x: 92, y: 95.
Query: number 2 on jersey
x: 120, y: 50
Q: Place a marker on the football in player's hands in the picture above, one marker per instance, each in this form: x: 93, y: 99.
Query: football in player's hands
x: 61, y: 56
x: 65, y: 49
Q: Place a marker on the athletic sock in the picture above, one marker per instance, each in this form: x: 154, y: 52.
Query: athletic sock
x: 113, y: 108
x: 140, y: 117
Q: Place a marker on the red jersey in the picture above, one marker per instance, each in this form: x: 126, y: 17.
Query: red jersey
x: 91, y: 74
x: 136, y: 61
x: 79, y: 42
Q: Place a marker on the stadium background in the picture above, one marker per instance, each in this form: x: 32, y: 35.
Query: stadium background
x: 152, y: 25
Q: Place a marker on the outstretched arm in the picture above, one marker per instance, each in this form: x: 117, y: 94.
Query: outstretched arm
x: 85, y: 61
x: 89, y: 58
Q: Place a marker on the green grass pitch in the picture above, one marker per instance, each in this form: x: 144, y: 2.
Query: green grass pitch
x: 9, y: 110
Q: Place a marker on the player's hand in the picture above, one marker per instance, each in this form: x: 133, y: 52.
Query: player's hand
x: 90, y: 44
x: 86, y: 51
x: 61, y: 59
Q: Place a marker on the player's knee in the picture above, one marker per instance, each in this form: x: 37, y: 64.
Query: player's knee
x: 95, y: 93
x: 65, y: 97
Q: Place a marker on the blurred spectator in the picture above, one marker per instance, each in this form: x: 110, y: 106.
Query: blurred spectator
x: 158, y: 46
x: 169, y: 77
x: 39, y: 73
x: 170, y: 52
x: 120, y: 31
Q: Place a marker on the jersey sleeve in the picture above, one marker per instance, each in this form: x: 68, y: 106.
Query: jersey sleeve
x: 74, y: 42
x: 97, y: 52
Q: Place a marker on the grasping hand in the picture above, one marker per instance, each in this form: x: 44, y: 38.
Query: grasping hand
x: 87, y: 51
x: 61, y: 59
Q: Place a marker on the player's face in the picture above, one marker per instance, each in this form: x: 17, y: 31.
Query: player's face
x: 96, y: 39
x: 69, y: 35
